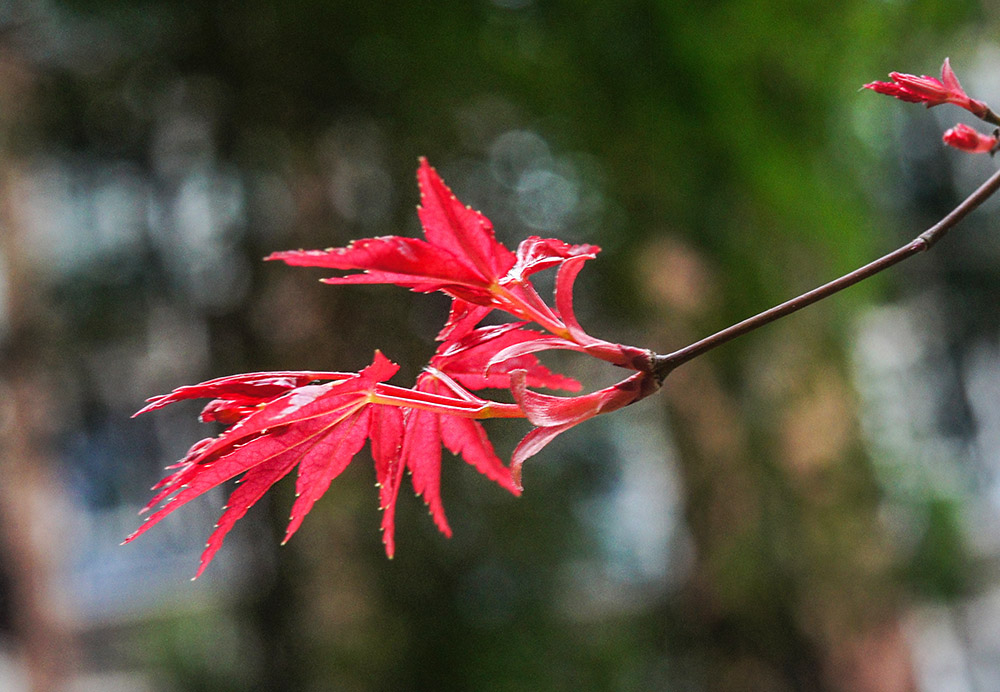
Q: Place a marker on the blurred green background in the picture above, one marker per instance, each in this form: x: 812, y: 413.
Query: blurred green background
x: 814, y: 507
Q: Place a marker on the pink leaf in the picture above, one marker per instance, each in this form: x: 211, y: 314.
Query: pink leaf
x: 324, y: 462
x: 565, y: 279
x: 467, y: 438
x: 464, y: 232
x: 518, y: 350
x: 386, y: 434
x: 485, y: 358
x: 930, y: 90
x: 546, y: 410
x: 554, y: 415
x: 422, y: 456
x: 949, y: 79
x: 251, y: 387
x: 407, y: 262
x: 254, y: 484
x: 535, y: 254
x: 531, y: 445
x: 619, y: 354
x: 462, y: 319
x: 967, y: 139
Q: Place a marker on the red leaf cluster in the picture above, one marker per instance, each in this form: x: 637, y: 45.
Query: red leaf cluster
x: 968, y: 139
x: 317, y: 422
x: 932, y: 91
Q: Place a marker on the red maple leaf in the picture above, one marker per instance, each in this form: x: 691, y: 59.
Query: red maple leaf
x: 969, y: 140
x: 288, y: 421
x: 930, y: 90
x: 318, y: 421
x: 554, y: 415
x: 462, y: 258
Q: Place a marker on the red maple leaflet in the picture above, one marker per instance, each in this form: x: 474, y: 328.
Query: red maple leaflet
x: 930, y: 91
x: 317, y: 422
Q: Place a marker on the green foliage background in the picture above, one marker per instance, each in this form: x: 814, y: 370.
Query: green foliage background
x: 731, y: 132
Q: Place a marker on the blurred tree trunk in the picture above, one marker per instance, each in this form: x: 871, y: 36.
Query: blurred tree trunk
x: 30, y: 496
x: 792, y: 587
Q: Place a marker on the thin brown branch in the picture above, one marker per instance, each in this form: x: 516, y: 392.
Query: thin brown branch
x: 663, y: 364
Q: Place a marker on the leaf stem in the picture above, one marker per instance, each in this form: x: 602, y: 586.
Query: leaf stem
x: 664, y: 364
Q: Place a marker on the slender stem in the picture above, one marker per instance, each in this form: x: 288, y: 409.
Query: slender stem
x: 390, y: 395
x: 663, y: 364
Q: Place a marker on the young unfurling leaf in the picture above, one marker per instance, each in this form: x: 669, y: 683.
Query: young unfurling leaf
x: 930, y: 91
